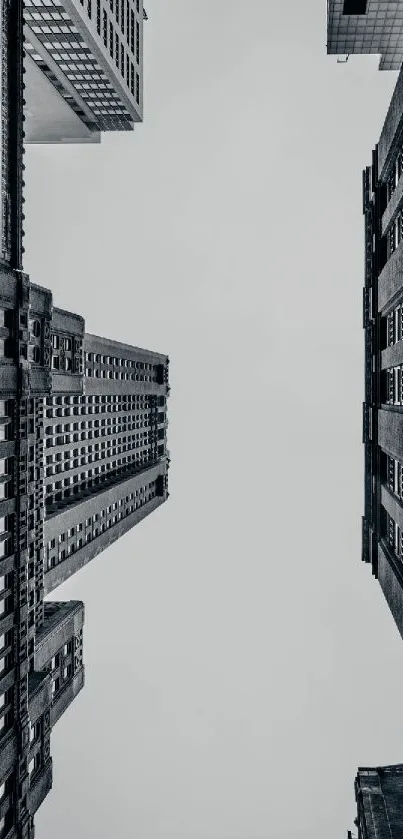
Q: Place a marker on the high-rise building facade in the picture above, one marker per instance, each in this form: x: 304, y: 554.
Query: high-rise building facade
x: 84, y: 68
x: 383, y: 325
x: 366, y: 26
x: 379, y: 798
x: 83, y: 458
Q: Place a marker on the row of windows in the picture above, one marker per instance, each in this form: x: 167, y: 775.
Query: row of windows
x: 117, y: 374
x: 91, y: 403
x: 70, y: 464
x: 75, y: 485
x: 394, y: 536
x: 66, y: 661
x: 116, y: 424
x: 394, y: 326
x: 98, y: 358
x: 394, y: 386
x: 75, y: 437
x: 86, y: 531
x: 395, y: 175
x: 394, y: 235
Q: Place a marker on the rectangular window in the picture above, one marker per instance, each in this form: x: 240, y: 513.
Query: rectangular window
x: 111, y: 40
x: 137, y: 88
x: 99, y: 17
x: 105, y: 28
x: 132, y: 31
x: 354, y: 7
x: 137, y: 42
x: 117, y: 49
x: 117, y: 11
x: 127, y: 23
x: 132, y: 79
x: 122, y: 60
x: 122, y: 16
x: 89, y: 8
x: 127, y: 70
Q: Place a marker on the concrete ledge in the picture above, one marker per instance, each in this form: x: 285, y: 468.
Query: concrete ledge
x: 390, y: 432
x: 40, y: 787
x: 61, y: 572
x: 67, y: 696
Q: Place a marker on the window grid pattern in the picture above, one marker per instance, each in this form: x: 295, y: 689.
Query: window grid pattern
x: 94, y: 440
x: 67, y: 353
x: 379, y: 31
x: 394, y: 327
x: 112, y: 367
x: 72, y: 540
x: 394, y: 386
x: 62, y: 40
x: 65, y: 663
x: 394, y: 537
x: 394, y: 477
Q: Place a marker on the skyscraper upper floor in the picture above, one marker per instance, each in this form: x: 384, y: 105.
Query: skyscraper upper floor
x: 367, y: 26
x: 84, y: 68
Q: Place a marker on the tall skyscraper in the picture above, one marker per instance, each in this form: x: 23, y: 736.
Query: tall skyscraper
x: 83, y: 458
x: 383, y: 323
x: 366, y: 26
x: 84, y: 68
x: 379, y: 797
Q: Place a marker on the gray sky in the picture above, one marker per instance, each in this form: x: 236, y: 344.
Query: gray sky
x: 239, y: 657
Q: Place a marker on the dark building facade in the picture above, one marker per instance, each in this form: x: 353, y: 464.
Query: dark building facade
x: 382, y: 543
x: 83, y: 458
x: 379, y: 797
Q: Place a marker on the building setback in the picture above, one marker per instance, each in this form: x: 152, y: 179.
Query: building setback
x: 84, y: 68
x: 379, y: 797
x: 382, y: 543
x: 366, y: 26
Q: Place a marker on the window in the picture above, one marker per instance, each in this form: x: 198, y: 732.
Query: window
x: 137, y: 88
x: 36, y: 328
x: 105, y: 28
x: 99, y: 17
x: 132, y: 31
x: 354, y: 7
